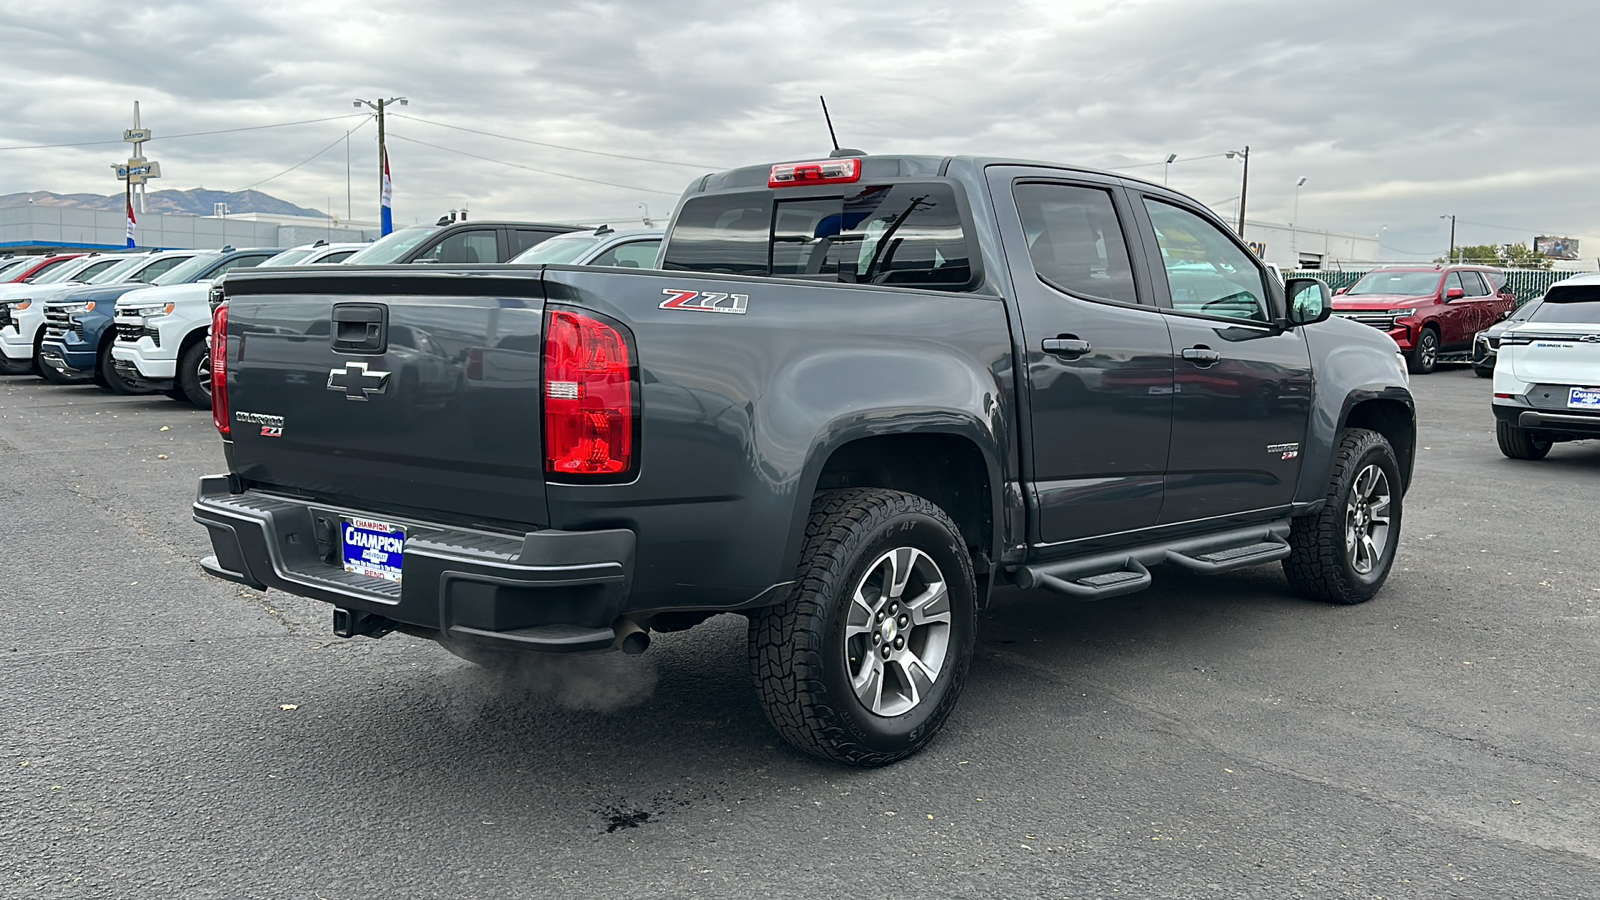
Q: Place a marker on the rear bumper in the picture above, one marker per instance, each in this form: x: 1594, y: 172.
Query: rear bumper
x: 556, y: 591
x: 1576, y: 425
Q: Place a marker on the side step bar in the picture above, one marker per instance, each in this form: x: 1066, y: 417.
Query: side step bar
x: 1121, y: 572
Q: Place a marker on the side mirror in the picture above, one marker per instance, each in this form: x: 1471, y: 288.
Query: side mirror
x: 1310, y: 301
x: 1454, y: 294
x: 1342, y: 290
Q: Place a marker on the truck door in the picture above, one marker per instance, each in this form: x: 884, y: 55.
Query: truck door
x: 1242, y: 396
x: 1480, y: 301
x: 1096, y: 356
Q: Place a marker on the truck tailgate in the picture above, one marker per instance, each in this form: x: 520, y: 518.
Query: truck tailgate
x: 386, y: 393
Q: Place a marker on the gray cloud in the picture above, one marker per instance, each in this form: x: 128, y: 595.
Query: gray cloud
x: 1395, y: 112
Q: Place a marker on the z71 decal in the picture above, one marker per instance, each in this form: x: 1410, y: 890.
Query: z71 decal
x: 705, y: 301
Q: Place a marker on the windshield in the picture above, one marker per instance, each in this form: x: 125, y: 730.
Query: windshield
x: 1576, y: 305
x: 392, y: 246
x: 286, y: 258
x: 188, y: 270
x: 1403, y: 284
x: 64, y: 272
x: 116, y: 273
x: 562, y: 248
x: 14, y: 267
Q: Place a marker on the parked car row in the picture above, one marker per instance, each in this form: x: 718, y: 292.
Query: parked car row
x: 1546, y: 368
x: 136, y: 322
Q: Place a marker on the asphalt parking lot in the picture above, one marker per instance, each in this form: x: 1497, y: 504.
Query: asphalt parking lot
x: 166, y: 734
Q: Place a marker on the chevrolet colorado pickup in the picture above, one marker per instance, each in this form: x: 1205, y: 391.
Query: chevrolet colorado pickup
x: 859, y: 394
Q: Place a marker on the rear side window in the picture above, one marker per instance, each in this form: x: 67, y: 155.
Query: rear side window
x: 906, y: 233
x: 632, y: 255
x: 1576, y: 305
x: 1474, y: 284
x: 1075, y: 240
x: 465, y: 247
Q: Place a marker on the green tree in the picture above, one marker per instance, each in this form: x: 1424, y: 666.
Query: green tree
x: 1509, y: 256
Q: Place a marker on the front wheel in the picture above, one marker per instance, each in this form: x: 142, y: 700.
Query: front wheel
x: 864, y: 660
x: 1520, y: 443
x: 1424, y: 356
x: 109, y: 378
x: 1343, y: 554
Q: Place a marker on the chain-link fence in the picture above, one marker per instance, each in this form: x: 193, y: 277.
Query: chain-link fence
x: 1527, y: 284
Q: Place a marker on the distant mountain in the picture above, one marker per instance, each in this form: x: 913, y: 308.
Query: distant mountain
x: 194, y: 202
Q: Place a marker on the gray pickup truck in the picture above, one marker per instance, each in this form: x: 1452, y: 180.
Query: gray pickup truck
x: 860, y: 393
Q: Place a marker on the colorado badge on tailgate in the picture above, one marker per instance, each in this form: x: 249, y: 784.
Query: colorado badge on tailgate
x: 373, y: 549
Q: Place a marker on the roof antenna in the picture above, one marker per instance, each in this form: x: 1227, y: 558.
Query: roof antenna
x: 837, y: 150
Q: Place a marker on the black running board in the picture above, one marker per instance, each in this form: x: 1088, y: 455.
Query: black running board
x: 1114, y: 574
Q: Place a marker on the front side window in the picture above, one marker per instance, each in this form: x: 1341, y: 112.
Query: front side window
x: 105, y: 272
x: 558, y: 250
x: 1075, y: 240
x: 60, y: 272
x: 188, y: 270
x: 906, y: 233
x: 632, y: 255
x: 1207, y: 273
x: 464, y: 248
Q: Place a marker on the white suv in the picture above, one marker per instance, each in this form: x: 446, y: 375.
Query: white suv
x: 161, y: 331
x: 1547, y: 374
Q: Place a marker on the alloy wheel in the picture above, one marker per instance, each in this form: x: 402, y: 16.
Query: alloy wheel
x: 1366, y: 533
x: 897, y: 632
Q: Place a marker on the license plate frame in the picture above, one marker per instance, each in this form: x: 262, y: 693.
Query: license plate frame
x: 1583, y: 398
x: 372, y: 548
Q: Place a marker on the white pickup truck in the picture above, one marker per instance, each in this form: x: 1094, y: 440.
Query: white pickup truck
x: 161, y: 331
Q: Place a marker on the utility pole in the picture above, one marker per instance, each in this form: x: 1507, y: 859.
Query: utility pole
x: 384, y: 188
x: 1244, y: 186
x: 1450, y: 257
x: 1294, y: 224
x: 1167, y: 172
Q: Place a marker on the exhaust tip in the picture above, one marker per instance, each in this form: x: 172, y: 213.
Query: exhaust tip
x: 631, y: 639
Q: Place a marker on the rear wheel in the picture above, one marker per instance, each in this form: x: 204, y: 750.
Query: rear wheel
x: 1424, y: 356
x: 1520, y: 443
x: 1343, y: 554
x: 194, y: 375
x: 864, y: 660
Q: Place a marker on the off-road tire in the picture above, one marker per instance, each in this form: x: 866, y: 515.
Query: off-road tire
x: 797, y: 648
x: 1520, y: 443
x: 187, y: 386
x: 1424, y: 357
x: 1318, y: 566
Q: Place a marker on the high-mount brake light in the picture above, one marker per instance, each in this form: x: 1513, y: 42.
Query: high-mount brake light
x: 219, y: 370
x: 588, y: 397
x: 822, y: 171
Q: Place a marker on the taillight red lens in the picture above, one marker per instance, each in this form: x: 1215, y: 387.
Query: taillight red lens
x: 219, y: 369
x: 588, y: 397
x: 823, y: 171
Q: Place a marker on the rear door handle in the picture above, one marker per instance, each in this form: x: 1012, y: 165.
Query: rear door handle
x: 1066, y: 346
x: 1202, y: 356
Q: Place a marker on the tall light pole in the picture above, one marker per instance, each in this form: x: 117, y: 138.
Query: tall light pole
x: 1294, y: 223
x: 387, y: 221
x: 1244, y: 185
x: 1171, y: 158
x: 1450, y: 257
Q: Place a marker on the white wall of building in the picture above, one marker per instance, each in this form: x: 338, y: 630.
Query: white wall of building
x: 23, y: 227
x: 1301, y: 248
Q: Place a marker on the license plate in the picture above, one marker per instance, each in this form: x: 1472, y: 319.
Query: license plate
x: 1583, y: 398
x: 373, y: 549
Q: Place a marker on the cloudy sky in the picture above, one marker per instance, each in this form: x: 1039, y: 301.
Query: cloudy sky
x: 1395, y: 111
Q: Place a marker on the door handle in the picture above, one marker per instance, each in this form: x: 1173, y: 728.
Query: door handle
x: 1066, y: 346
x: 1202, y: 356
x: 360, y: 328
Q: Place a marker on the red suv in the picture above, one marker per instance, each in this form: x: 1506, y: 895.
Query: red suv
x: 1428, y: 310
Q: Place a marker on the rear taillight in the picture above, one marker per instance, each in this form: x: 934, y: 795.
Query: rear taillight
x: 219, y: 369
x: 589, y: 409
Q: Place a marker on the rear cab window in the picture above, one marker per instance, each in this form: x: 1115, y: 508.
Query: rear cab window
x: 905, y: 233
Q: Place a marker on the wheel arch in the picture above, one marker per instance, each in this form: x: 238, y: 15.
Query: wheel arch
x: 952, y: 463
x: 1392, y: 417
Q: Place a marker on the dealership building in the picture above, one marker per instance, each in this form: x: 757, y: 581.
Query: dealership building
x: 47, y: 229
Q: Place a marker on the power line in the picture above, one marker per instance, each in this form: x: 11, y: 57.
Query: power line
x: 507, y: 137
x: 190, y: 134
x: 1524, y: 230
x: 337, y: 141
x: 626, y: 187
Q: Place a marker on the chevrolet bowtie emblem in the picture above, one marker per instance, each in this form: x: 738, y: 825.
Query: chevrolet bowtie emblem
x: 356, y: 382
